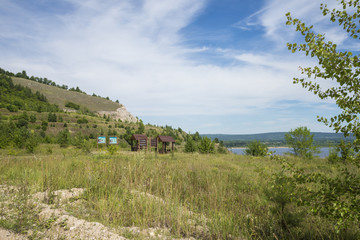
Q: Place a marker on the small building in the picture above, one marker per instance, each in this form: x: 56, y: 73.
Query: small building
x: 165, y: 140
x: 140, y: 142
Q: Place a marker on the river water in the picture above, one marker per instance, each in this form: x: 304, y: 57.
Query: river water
x: 324, y: 151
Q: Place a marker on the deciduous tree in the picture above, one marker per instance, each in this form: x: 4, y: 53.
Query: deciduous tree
x: 302, y: 142
x: 337, y: 196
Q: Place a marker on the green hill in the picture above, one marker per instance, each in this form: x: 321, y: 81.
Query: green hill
x: 16, y: 97
x: 32, y: 113
x: 60, y: 96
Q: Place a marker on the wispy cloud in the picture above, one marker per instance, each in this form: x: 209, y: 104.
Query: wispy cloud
x: 251, y: 21
x: 273, y: 19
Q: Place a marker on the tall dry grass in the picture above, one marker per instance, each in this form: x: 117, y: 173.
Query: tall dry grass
x: 192, y: 195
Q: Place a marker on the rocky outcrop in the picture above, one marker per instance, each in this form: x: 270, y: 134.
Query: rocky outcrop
x: 120, y: 113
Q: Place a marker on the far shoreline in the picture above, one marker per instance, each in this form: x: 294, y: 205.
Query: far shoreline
x: 246, y: 147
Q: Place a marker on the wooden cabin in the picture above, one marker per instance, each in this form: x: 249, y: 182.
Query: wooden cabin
x: 166, y: 140
x: 140, y: 142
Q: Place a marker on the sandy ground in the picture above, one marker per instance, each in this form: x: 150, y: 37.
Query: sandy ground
x: 61, y: 225
x: 7, y: 235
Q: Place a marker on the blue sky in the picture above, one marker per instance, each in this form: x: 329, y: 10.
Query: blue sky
x: 213, y: 66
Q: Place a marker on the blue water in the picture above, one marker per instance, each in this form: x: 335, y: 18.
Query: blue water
x: 324, y: 152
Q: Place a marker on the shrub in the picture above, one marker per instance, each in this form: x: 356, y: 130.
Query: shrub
x: 32, y: 118
x: 221, y: 148
x: 64, y: 138
x: 52, y: 117
x: 206, y: 145
x: 44, y: 125
x: 190, y: 146
x: 112, y: 149
x: 31, y: 143
x: 333, y: 155
x: 256, y: 148
x: 72, y: 105
x: 82, y: 120
x: 12, y: 108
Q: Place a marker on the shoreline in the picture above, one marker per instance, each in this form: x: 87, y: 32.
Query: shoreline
x: 246, y: 147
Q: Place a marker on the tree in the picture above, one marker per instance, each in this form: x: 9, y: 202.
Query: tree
x: 222, y: 148
x: 64, y: 138
x: 337, y: 196
x: 44, y: 125
x: 206, y: 145
x: 301, y: 141
x: 339, y: 66
x: 32, y: 118
x: 52, y: 117
x: 196, y: 137
x: 256, y: 148
x: 190, y: 145
x: 141, y: 128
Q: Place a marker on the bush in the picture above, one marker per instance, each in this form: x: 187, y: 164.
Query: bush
x: 52, y: 117
x: 256, y: 148
x: 72, y: 105
x: 12, y: 108
x: 64, y: 138
x: 346, y: 151
x: 221, y: 149
x: 190, y: 146
x: 44, y: 125
x: 333, y: 155
x: 32, y: 118
x: 86, y: 146
x: 82, y: 120
x: 206, y: 145
x: 112, y: 149
x: 31, y: 143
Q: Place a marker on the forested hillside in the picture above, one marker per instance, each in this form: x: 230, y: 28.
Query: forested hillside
x: 16, y: 97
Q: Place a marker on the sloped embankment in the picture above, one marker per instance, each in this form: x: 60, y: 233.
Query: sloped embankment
x: 43, y: 215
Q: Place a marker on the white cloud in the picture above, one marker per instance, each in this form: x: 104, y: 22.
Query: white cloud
x: 134, y: 53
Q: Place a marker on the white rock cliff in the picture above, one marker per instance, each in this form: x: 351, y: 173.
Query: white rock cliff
x: 120, y: 113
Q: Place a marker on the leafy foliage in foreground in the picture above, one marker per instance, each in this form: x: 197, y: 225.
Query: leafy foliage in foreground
x: 339, y: 66
x: 334, y: 197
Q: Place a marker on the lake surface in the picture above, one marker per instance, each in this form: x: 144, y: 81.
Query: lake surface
x: 324, y: 151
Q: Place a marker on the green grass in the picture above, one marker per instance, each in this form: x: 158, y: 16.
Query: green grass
x: 60, y: 96
x: 192, y: 195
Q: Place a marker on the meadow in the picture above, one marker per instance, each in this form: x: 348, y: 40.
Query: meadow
x: 191, y: 195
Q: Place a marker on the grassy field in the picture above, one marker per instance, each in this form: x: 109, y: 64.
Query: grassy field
x: 59, y: 96
x: 190, y: 195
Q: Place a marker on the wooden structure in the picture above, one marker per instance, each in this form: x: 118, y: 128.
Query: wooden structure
x: 140, y: 142
x: 154, y: 143
x: 165, y: 140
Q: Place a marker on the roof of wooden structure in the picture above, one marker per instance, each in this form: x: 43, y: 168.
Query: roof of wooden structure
x: 166, y: 139
x: 138, y: 137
